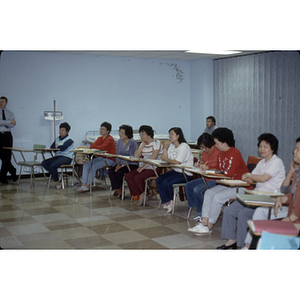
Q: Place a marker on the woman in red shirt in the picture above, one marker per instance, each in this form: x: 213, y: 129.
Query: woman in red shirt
x: 105, y: 142
x: 195, y: 189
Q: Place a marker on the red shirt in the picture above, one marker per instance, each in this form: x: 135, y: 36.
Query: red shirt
x: 232, y: 163
x: 108, y: 144
x: 212, y: 158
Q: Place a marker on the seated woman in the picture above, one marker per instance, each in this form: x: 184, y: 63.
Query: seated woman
x: 149, y: 148
x: 195, y: 189
x: 126, y: 146
x: 232, y: 165
x: 268, y: 176
x: 292, y: 199
x: 63, y: 156
x: 104, y: 142
x: 176, y: 151
x: 262, y: 213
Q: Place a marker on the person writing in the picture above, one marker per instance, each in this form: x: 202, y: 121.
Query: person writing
x: 195, y: 189
x: 7, y: 122
x: 63, y: 145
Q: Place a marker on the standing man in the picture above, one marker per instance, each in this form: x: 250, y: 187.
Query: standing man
x: 210, y: 125
x: 7, y: 121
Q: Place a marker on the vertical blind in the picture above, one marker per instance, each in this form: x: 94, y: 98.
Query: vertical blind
x: 259, y: 93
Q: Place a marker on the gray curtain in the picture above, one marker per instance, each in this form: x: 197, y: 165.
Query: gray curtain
x: 259, y: 93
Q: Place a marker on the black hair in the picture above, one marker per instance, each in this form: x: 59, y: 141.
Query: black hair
x: 179, y: 132
x: 298, y: 140
x: 270, y: 139
x: 3, y: 97
x: 224, y: 135
x: 148, y: 129
x: 205, y: 139
x: 212, y: 118
x: 107, y: 126
x: 66, y: 126
x: 128, y: 130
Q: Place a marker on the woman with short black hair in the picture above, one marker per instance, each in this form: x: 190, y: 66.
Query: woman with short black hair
x: 126, y: 146
x: 149, y: 148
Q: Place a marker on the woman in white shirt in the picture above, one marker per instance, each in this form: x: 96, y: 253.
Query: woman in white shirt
x: 176, y: 151
x: 150, y: 148
x: 268, y: 176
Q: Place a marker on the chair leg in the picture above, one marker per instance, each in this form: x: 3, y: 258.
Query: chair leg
x: 49, y: 181
x: 189, y: 212
x: 18, y: 182
x: 62, y: 178
x: 109, y: 193
x: 123, y: 188
x: 145, y: 193
x: 174, y: 199
x: 31, y: 173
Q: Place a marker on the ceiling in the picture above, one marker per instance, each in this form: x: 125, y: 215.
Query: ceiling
x: 172, y: 55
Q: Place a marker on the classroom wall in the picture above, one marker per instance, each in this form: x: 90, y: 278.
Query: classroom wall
x: 90, y: 89
x: 259, y: 93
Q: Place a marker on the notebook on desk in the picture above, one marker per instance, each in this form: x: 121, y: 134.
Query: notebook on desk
x: 273, y: 226
x: 255, y: 199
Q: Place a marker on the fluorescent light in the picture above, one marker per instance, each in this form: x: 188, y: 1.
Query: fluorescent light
x: 220, y: 52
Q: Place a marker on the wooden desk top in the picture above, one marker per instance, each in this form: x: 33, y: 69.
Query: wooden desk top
x: 256, y: 200
x: 18, y: 149
x: 271, y: 194
x: 233, y: 183
x: 206, y: 174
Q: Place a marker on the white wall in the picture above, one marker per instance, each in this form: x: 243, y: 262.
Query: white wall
x: 91, y: 89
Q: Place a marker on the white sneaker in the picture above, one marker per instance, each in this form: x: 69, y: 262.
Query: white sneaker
x: 58, y: 187
x: 83, y: 189
x: 200, y: 229
x: 244, y: 248
x: 170, y: 206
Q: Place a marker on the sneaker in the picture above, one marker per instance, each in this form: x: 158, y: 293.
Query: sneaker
x: 58, y: 187
x: 200, y: 229
x: 83, y: 189
x: 198, y: 218
x: 170, y: 207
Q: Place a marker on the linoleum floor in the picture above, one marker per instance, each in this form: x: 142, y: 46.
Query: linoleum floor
x: 45, y: 218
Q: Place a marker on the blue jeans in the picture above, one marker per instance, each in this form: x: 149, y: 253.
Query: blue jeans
x: 51, y: 165
x: 165, y: 181
x: 194, y: 191
x: 97, y: 163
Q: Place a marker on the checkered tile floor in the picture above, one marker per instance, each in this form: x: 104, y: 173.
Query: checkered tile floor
x: 42, y: 218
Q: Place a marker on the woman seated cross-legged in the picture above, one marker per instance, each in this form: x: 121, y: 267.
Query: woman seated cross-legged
x: 105, y: 142
x: 126, y: 146
x: 176, y: 151
x: 149, y: 148
x: 232, y: 164
x: 195, y: 189
x: 64, y: 144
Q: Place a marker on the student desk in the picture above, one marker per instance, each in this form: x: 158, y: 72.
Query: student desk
x: 206, y: 174
x: 91, y: 153
x: 234, y: 183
